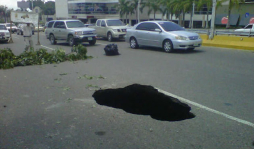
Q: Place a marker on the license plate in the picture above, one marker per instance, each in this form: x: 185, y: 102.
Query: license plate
x: 196, y: 44
x: 90, y: 38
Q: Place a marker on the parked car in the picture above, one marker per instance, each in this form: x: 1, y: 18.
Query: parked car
x: 4, y: 33
x: 12, y: 28
x: 87, y: 25
x: 41, y: 28
x: 71, y: 31
x: 110, y: 28
x: 247, y: 30
x: 20, y: 29
x: 165, y: 34
x: 46, y: 25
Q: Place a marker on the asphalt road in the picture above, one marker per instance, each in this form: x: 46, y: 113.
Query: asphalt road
x: 51, y: 106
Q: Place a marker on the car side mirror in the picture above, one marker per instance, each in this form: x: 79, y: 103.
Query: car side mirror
x: 157, y: 30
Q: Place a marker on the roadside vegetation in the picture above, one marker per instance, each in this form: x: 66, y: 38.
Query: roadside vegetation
x: 170, y: 8
x: 39, y: 57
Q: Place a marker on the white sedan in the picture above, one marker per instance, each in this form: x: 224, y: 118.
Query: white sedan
x: 4, y: 33
x: 164, y: 34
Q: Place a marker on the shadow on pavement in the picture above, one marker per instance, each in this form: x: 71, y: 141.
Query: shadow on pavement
x: 144, y: 100
x: 174, y: 52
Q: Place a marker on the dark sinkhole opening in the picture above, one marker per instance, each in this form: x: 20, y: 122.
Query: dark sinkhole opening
x: 144, y: 100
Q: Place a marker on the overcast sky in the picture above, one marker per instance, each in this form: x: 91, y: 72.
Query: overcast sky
x: 12, y: 3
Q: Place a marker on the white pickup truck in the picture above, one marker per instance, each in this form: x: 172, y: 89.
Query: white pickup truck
x: 247, y: 30
x: 110, y: 28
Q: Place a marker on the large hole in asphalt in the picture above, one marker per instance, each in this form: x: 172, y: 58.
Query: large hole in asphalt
x: 144, y: 100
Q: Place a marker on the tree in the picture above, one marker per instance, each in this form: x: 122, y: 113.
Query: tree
x: 166, y: 8
x: 153, y: 6
x: 209, y: 6
x: 124, y: 8
x: 134, y: 5
x: 50, y: 7
x: 232, y: 3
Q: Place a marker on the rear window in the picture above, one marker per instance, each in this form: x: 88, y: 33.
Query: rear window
x: 115, y: 23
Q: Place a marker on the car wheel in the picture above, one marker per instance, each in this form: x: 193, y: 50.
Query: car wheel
x: 109, y: 37
x: 71, y: 40
x: 52, y: 39
x: 92, y: 42
x: 21, y: 33
x: 133, y: 43
x: 168, y: 46
x: 17, y: 33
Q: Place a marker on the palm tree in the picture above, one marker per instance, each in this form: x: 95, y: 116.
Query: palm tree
x: 177, y: 10
x: 209, y: 5
x: 122, y: 7
x: 187, y: 6
x: 154, y: 6
x: 134, y: 5
x: 232, y: 3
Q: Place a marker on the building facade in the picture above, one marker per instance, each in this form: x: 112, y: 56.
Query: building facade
x: 87, y: 11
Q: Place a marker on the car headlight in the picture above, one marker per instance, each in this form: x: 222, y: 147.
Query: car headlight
x: 115, y: 30
x: 79, y: 33
x: 181, y: 38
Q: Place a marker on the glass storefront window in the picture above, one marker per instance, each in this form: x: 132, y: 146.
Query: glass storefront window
x: 92, y: 8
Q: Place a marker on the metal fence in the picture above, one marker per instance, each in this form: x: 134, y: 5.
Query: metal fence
x: 223, y: 32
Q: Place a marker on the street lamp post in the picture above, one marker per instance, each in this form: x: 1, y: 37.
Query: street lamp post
x: 138, y: 11
x: 213, y: 20
x: 5, y: 12
x: 193, y: 9
x: 32, y: 5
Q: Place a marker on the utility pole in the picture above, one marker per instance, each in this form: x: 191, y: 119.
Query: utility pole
x: 193, y: 9
x: 138, y: 11
x: 32, y: 5
x: 213, y: 20
x: 5, y: 11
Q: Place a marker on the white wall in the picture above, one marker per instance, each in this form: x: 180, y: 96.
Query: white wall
x: 61, y: 9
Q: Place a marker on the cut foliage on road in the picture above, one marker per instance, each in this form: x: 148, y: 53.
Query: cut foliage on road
x: 144, y: 100
x: 9, y: 60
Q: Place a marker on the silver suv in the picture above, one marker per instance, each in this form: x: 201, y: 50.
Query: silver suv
x: 71, y: 31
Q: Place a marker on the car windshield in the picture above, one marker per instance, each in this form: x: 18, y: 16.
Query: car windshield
x: 170, y: 26
x: 74, y: 24
x: 2, y: 27
x: 115, y: 23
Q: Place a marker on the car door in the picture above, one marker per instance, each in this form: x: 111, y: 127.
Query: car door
x: 59, y: 29
x: 141, y: 33
x: 154, y: 37
x: 103, y: 30
x: 98, y: 28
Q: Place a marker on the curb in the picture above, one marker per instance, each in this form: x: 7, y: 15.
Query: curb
x: 234, y: 42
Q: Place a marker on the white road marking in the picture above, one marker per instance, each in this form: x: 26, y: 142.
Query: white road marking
x: 207, y: 108
x: 47, y: 47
